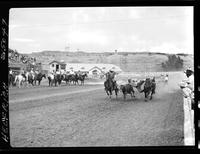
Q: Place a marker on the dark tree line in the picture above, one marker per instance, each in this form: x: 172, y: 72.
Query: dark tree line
x: 173, y: 62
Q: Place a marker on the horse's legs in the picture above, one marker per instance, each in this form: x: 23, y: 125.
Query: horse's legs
x: 145, y: 94
x: 152, y: 92
x: 124, y: 96
x: 116, y: 92
x: 110, y: 93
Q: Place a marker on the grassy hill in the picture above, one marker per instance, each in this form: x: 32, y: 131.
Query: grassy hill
x: 129, y: 62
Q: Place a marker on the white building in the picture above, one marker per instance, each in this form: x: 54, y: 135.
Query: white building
x: 93, y: 70
x: 56, y: 65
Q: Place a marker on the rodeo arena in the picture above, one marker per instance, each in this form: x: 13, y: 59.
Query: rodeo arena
x: 84, y: 104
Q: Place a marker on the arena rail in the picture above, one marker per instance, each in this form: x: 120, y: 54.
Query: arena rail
x: 189, y: 131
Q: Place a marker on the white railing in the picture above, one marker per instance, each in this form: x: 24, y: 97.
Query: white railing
x: 189, y: 131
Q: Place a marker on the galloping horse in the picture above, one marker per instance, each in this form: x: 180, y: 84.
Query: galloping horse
x: 110, y: 86
x: 149, y: 87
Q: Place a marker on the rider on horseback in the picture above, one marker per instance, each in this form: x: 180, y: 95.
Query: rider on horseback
x: 111, y: 75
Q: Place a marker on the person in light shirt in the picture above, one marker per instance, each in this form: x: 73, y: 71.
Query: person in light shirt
x: 57, y: 72
x: 72, y: 72
x: 190, y: 78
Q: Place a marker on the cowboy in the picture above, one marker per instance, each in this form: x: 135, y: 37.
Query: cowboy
x: 71, y: 72
x: 32, y: 71
x: 57, y: 71
x: 111, y: 75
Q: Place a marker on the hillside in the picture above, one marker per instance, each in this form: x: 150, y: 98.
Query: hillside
x: 129, y: 62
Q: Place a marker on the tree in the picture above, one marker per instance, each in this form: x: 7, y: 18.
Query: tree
x: 173, y: 62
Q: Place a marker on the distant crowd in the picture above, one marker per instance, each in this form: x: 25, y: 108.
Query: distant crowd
x: 14, y: 55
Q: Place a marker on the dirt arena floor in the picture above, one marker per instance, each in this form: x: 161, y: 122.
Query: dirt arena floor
x: 83, y: 116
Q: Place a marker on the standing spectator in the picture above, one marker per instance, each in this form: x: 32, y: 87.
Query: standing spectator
x: 166, y: 78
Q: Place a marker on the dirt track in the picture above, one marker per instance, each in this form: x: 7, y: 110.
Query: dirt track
x: 85, y: 116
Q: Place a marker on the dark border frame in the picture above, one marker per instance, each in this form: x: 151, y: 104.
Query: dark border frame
x: 4, y: 9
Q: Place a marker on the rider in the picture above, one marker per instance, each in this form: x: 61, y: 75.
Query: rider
x: 36, y: 71
x: 57, y: 71
x: 111, y: 75
x: 71, y: 72
x: 10, y: 72
x: 32, y: 71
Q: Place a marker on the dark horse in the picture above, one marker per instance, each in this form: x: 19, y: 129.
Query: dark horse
x: 31, y: 79
x: 66, y: 78
x: 73, y: 78
x: 56, y: 78
x: 38, y: 77
x: 149, y: 87
x: 11, y: 79
x: 110, y: 86
x: 127, y: 89
x: 82, y: 78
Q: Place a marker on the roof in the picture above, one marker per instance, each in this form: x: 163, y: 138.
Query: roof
x: 89, y: 66
x: 95, y: 67
x: 61, y: 63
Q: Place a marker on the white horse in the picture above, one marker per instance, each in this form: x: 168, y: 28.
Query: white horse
x: 50, y: 78
x: 20, y: 79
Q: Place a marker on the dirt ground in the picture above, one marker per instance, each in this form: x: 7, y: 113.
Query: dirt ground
x: 84, y: 116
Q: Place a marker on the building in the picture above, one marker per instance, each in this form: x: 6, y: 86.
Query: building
x: 92, y: 69
x: 57, y: 65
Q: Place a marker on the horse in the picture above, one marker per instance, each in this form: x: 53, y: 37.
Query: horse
x: 31, y: 78
x: 82, y: 78
x: 38, y: 77
x: 127, y: 89
x: 66, y: 78
x: 11, y: 79
x: 110, y: 86
x: 21, y: 78
x: 73, y: 78
x: 149, y: 87
x: 58, y: 79
x: 51, y: 79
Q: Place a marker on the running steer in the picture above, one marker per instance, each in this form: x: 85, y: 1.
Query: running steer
x: 127, y: 89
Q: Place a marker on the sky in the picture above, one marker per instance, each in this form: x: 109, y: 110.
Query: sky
x: 102, y: 29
